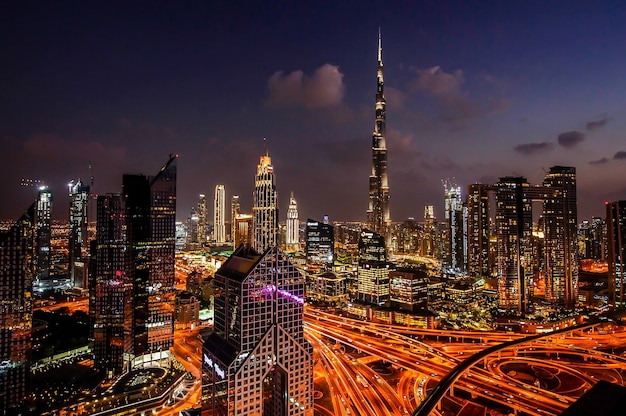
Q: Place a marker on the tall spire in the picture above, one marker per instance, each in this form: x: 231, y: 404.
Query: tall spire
x: 378, y: 211
x: 380, y: 49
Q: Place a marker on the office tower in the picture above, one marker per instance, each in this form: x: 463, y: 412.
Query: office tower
x: 373, y: 269
x: 429, y: 241
x: 560, y: 222
x: 16, y: 281
x: 320, y: 242
x: 408, y: 289
x: 151, y: 226
x: 514, y: 232
x: 77, y: 247
x: 219, y: 215
x: 378, y: 218
x: 264, y: 210
x: 235, y: 208
x: 257, y: 362
x: 43, y: 232
x: 192, y: 227
x: 616, y: 230
x: 202, y: 217
x: 478, y: 230
x: 243, y: 229
x: 292, y: 239
x: 453, y: 213
x: 111, y: 289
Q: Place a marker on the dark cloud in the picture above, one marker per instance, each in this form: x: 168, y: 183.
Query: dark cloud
x: 454, y: 103
x: 601, y: 161
x: 325, y: 88
x: 621, y: 155
x: 594, y: 125
x: 570, y: 139
x: 532, y: 148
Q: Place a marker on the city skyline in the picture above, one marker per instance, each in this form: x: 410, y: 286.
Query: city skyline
x: 474, y: 93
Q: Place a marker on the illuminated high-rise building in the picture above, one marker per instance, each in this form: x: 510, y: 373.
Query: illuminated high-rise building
x: 479, y: 231
x: 43, y: 232
x: 235, y: 209
x: 453, y: 212
x: 110, y: 289
x: 264, y: 209
x: 77, y: 247
x: 373, y: 269
x: 202, y: 218
x: 616, y: 230
x: 16, y: 281
x: 257, y: 361
x: 243, y: 229
x: 219, y: 215
x: 378, y: 217
x: 514, y: 232
x: 292, y: 239
x: 560, y: 224
x: 430, y: 234
x: 151, y: 236
x: 320, y: 242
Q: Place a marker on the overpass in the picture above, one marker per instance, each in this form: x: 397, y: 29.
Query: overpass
x: 430, y: 402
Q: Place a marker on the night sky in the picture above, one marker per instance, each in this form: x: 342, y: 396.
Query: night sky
x: 475, y: 90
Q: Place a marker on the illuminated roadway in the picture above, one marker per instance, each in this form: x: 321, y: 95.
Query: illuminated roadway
x: 540, y: 375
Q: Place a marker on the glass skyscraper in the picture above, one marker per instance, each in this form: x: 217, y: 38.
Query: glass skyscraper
x: 257, y: 362
x: 264, y: 209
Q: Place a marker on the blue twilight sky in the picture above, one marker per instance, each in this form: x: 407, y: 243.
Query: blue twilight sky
x: 475, y: 90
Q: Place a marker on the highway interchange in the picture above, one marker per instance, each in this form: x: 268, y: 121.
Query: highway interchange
x: 378, y: 369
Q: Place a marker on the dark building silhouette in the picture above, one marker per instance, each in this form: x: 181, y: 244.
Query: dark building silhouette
x: 18, y: 267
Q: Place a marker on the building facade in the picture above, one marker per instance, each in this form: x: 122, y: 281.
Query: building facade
x: 78, y: 239
x: 256, y: 361
x: 219, y: 218
x: 372, y: 270
x: 201, y: 226
x: 19, y: 266
x: 111, y: 289
x: 454, y: 257
x: 319, y: 243
x: 151, y: 236
x: 560, y: 229
x: 292, y: 235
x: 264, y: 208
x: 616, y: 230
x: 514, y: 232
x: 479, y: 263
x: 378, y: 217
x: 43, y: 232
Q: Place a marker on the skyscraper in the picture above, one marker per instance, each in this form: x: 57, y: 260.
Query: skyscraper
x: 373, y: 269
x: 110, y: 289
x: 514, y: 232
x: 202, y: 217
x: 257, y: 362
x: 616, y: 230
x: 479, y: 231
x: 151, y: 237
x: 320, y: 242
x: 235, y: 208
x: 79, y: 201
x: 292, y: 239
x: 453, y: 213
x: 219, y: 217
x: 378, y: 218
x: 264, y: 210
x: 43, y: 232
x: 560, y: 225
x: 16, y: 281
